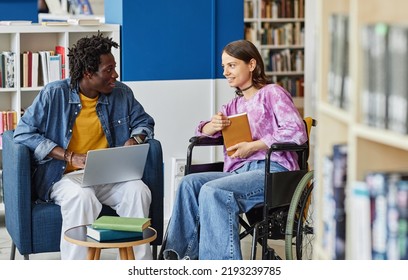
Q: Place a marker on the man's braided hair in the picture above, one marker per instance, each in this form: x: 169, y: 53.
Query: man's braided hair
x: 84, y: 56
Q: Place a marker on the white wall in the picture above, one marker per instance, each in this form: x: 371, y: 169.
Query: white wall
x: 177, y: 107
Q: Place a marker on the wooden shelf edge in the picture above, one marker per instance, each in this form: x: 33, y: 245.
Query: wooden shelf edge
x: 335, y: 112
x: 382, y: 136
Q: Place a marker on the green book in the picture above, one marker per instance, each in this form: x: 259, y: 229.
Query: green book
x: 122, y: 223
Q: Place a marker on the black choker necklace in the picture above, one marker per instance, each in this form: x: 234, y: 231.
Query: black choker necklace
x: 247, y: 88
x: 240, y: 91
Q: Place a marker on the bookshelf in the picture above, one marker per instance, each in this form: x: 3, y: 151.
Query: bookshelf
x: 276, y: 27
x: 34, y: 38
x: 369, y: 148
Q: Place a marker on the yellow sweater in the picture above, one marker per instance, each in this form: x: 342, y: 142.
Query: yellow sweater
x: 87, y: 132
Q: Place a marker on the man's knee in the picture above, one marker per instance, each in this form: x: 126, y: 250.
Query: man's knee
x: 139, y: 190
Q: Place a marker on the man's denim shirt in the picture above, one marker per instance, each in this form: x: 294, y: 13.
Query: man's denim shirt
x: 48, y: 123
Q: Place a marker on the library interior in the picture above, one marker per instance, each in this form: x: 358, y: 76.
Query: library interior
x: 342, y: 62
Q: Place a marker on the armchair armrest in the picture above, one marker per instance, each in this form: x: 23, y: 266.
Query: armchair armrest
x: 153, y: 178
x: 17, y: 189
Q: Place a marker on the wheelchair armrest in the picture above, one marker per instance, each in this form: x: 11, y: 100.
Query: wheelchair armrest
x: 288, y: 147
x: 206, y: 141
x: 202, y: 141
x: 302, y: 151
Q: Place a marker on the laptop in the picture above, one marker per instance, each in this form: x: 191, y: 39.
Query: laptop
x: 112, y: 165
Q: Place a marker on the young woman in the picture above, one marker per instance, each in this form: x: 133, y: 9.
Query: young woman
x: 204, y: 223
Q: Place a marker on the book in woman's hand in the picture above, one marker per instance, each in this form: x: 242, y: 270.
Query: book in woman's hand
x: 238, y: 131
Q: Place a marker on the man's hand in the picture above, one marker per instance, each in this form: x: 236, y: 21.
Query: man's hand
x: 78, y: 160
x: 130, y: 142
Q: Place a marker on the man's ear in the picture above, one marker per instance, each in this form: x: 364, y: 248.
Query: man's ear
x: 87, y: 75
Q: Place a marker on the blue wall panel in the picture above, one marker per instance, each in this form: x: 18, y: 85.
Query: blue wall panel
x: 230, y: 27
x: 174, y: 40
x: 19, y: 10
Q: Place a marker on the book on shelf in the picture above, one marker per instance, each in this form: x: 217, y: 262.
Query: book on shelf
x: 122, y: 223
x: 340, y: 154
x: 388, y: 214
x: 44, y: 55
x: 1, y: 129
x: 328, y: 217
x: 84, y: 21
x: 112, y: 235
x: 24, y: 69
x: 61, y: 51
x: 34, y: 69
x: 8, y: 61
x: 359, y: 221
x: 1, y: 70
x: 367, y: 104
x: 398, y: 82
x: 29, y: 71
x: 54, y: 67
x: 379, y: 58
x: 338, y: 71
x: 55, y: 23
x: 15, y: 22
x: 238, y: 131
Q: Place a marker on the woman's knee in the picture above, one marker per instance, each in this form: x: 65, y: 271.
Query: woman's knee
x: 209, y: 192
x: 188, y: 184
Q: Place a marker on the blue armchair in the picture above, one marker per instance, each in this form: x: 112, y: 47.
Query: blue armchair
x: 36, y: 227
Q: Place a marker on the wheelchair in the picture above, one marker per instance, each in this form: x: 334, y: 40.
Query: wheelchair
x: 288, y: 209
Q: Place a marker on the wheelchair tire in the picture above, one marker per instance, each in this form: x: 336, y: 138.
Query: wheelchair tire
x: 299, y: 231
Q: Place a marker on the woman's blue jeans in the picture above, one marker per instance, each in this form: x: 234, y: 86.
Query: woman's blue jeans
x: 204, y: 223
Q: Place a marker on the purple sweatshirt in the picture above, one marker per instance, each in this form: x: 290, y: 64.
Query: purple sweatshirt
x: 273, y: 118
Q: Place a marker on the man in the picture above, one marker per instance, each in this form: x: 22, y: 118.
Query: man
x: 90, y: 110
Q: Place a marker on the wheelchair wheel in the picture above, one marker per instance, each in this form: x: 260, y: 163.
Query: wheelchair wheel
x: 299, y: 234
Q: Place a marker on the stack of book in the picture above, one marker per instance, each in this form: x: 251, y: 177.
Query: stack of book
x: 113, y: 228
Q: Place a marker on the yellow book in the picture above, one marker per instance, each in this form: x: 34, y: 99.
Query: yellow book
x: 121, y: 223
x: 239, y: 131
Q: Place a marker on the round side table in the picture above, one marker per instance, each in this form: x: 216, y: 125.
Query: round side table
x: 77, y: 235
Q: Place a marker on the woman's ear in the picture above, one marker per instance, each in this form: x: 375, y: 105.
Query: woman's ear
x: 252, y: 64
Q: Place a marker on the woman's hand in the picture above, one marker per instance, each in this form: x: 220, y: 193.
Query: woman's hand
x: 246, y: 149
x: 217, y: 123
x: 242, y: 150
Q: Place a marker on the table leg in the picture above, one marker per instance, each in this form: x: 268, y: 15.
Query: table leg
x: 97, y: 253
x: 130, y: 253
x: 123, y: 253
x: 91, y: 253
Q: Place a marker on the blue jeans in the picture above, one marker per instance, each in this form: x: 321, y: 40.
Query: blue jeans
x: 204, y: 223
